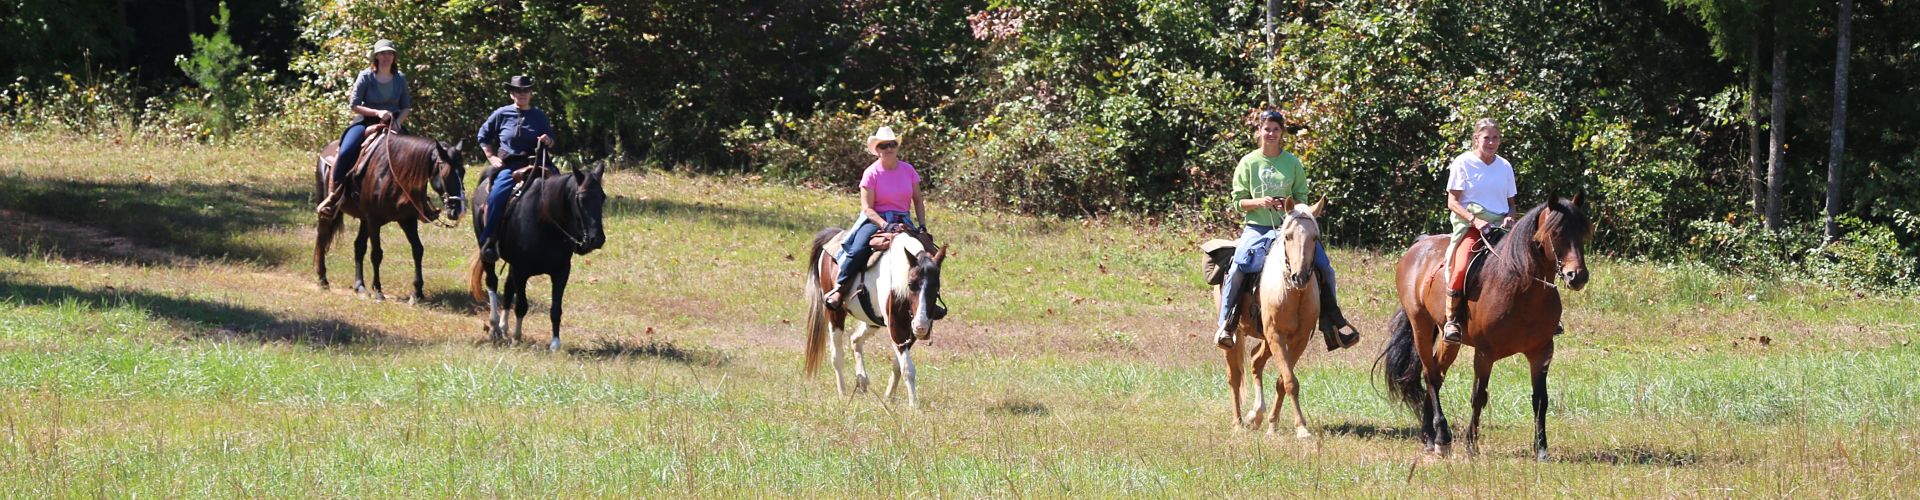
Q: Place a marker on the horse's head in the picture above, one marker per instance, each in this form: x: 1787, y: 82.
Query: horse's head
x: 1300, y: 237
x: 589, y: 199
x: 449, y: 173
x: 924, y: 280
x: 1564, y: 229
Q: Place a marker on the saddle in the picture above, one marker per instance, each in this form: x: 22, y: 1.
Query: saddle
x: 880, y: 242
x: 376, y: 136
x: 1477, y: 259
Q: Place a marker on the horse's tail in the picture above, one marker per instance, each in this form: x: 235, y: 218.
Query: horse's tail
x: 319, y: 181
x: 816, y: 302
x: 476, y: 273
x: 1404, y: 381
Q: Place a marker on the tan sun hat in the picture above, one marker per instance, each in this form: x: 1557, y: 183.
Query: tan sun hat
x: 885, y: 134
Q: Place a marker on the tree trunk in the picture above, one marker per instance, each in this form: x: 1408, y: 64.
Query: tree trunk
x: 1842, y: 51
x: 1776, y: 159
x: 1756, y: 146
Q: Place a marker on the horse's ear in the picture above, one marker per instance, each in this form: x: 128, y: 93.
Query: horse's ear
x: 599, y: 169
x: 940, y: 254
x: 1578, y: 198
x: 1317, y: 206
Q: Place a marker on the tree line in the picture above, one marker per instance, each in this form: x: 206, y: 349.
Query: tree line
x: 1752, y: 135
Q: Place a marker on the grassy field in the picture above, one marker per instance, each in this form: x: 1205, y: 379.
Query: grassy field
x: 161, y: 334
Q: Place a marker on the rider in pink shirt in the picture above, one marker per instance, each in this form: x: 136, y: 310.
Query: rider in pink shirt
x: 887, y: 190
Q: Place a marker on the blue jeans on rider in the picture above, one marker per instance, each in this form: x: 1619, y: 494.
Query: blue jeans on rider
x: 1250, y: 256
x: 855, y: 250
x: 349, y: 151
x: 502, y: 190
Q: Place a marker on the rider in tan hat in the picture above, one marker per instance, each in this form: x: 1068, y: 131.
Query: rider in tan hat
x: 380, y: 96
x: 888, y: 188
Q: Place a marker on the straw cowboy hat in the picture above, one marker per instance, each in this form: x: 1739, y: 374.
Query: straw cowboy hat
x: 382, y: 46
x: 885, y: 134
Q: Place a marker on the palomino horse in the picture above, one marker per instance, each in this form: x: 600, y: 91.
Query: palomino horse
x: 1289, y: 306
x: 904, y: 292
x: 392, y: 188
x: 556, y: 217
x: 1513, y: 309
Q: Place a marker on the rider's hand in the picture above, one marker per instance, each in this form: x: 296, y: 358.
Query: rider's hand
x: 385, y: 116
x: 494, y: 160
x: 1507, y: 222
x: 546, y: 139
x: 1480, y: 224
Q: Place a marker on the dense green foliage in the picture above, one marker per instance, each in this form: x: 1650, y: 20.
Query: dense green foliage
x: 1091, y: 108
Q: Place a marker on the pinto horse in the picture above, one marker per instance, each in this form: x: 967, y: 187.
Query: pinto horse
x: 905, y: 294
x: 1513, y: 309
x: 1289, y: 306
x: 556, y: 217
x: 392, y: 188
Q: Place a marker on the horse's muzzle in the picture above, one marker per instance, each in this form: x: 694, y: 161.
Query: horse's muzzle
x: 1576, y: 279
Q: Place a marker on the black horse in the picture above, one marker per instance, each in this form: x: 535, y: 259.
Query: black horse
x: 555, y: 217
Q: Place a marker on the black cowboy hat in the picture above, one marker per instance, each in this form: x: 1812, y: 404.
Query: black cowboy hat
x: 520, y: 82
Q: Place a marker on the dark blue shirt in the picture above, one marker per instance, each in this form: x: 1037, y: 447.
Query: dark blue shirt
x: 514, y: 130
x: 392, y: 96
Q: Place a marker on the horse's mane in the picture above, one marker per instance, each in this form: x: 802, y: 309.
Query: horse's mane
x: 1513, y: 258
x: 413, y: 158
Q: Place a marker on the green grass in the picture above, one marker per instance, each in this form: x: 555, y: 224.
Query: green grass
x: 160, y: 334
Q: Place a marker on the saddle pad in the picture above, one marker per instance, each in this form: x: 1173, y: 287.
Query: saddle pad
x: 1218, y: 256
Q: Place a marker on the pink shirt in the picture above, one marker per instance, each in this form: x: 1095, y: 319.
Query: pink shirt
x: 892, y: 188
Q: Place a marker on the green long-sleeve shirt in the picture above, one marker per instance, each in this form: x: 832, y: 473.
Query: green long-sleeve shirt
x: 1258, y: 176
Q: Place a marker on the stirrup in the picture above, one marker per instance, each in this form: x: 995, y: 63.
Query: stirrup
x: 1339, y: 339
x: 1452, y: 330
x: 836, y: 299
x: 1223, y: 338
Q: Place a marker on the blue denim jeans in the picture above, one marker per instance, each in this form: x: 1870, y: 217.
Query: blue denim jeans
x: 854, y: 251
x: 1250, y: 252
x: 349, y: 152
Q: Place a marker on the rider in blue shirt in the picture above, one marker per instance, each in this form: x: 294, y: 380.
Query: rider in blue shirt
x: 509, y: 137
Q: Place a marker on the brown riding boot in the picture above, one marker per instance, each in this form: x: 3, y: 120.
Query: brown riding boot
x: 1456, y: 305
x: 329, y: 206
x: 1333, y: 324
x: 837, y: 298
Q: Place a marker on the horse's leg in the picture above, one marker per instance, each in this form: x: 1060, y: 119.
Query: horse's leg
x: 859, y: 339
x: 1286, y: 385
x: 1261, y: 354
x: 359, y: 260
x: 412, y: 229
x: 903, y: 368
x: 328, y: 227
x: 517, y: 294
x: 1539, y: 360
x: 373, y: 240
x: 1442, y: 432
x: 559, y: 277
x: 1424, y: 331
x: 496, y: 306
x: 1236, y: 367
x: 836, y: 346
x: 1482, y: 370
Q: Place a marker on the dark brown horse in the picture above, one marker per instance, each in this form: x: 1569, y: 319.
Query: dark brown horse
x: 1514, y: 308
x: 392, y: 188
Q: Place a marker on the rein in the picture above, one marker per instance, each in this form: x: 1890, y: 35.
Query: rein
x: 425, y: 210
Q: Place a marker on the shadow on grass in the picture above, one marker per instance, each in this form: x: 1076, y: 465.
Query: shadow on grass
x: 1371, y: 431
x: 716, y: 214
x: 203, y: 319
x: 1636, y: 455
x: 1019, y: 407
x: 619, y: 349
x: 204, y: 220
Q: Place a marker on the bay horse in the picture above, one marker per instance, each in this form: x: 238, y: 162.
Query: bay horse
x: 392, y: 188
x: 1289, y: 306
x: 904, y: 292
x: 1514, y: 308
x: 555, y: 217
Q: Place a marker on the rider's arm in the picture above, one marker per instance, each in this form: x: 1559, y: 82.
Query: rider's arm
x: 1458, y: 208
x: 920, y: 206
x: 866, y: 208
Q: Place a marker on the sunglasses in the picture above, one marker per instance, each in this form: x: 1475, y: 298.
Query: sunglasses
x: 887, y: 145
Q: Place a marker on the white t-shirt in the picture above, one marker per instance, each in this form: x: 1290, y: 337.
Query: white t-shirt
x: 1490, y: 185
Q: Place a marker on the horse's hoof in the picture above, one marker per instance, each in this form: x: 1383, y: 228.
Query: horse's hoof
x: 860, y: 385
x: 1302, y: 433
x: 1443, y: 451
x: 1540, y: 455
